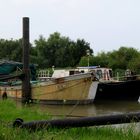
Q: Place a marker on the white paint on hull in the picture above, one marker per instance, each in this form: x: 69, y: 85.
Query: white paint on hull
x: 93, y: 90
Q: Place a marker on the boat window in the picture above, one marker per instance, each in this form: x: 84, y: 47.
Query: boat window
x: 99, y: 74
x: 82, y: 71
x: 71, y: 72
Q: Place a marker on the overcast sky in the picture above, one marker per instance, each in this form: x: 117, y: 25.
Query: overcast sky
x: 105, y: 24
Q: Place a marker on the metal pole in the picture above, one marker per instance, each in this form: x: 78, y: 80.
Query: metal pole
x: 26, y: 87
x: 88, y: 54
x: 88, y: 60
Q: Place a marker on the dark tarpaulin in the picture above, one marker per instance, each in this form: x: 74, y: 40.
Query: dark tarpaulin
x: 9, y: 67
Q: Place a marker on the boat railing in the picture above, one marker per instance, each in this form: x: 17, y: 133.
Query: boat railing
x: 125, y: 78
x: 43, y: 75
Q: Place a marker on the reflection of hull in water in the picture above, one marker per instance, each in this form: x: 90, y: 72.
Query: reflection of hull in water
x: 65, y: 90
x: 123, y: 90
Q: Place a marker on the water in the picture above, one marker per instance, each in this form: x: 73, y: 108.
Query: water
x: 96, y: 109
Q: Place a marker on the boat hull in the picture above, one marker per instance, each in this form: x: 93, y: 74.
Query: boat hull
x: 125, y: 90
x: 78, y: 89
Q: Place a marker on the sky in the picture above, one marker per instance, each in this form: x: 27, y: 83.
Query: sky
x: 105, y: 24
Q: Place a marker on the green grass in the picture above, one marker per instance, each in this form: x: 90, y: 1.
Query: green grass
x: 9, y: 111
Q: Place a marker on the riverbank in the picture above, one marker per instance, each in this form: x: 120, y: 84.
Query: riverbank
x: 9, y: 111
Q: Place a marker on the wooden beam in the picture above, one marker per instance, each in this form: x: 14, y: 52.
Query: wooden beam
x: 26, y: 87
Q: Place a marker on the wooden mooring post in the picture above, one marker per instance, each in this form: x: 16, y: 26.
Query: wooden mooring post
x: 26, y: 87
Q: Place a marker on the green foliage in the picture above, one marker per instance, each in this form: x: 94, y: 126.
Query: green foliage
x: 10, y: 49
x: 134, y: 64
x: 101, y: 59
x: 121, y: 58
x: 84, y: 61
x: 118, y: 60
x: 61, y: 51
x: 10, y: 110
x: 57, y: 50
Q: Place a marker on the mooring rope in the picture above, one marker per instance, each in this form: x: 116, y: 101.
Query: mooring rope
x: 74, y: 107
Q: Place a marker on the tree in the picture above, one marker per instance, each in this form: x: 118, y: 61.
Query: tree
x: 80, y: 50
x: 11, y: 49
x: 134, y: 64
x: 60, y: 51
x: 122, y: 57
x: 39, y: 52
x: 100, y: 60
x: 84, y: 61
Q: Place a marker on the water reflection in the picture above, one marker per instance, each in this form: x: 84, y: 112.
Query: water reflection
x: 96, y: 109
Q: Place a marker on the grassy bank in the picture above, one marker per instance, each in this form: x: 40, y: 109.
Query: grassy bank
x: 9, y: 112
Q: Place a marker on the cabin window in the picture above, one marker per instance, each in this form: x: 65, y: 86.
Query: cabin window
x: 82, y: 71
x: 99, y: 74
x: 71, y: 72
